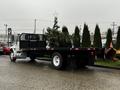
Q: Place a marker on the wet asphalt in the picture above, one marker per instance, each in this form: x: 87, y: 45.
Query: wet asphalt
x: 39, y: 75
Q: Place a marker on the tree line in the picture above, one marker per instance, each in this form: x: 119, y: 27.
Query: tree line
x: 64, y: 39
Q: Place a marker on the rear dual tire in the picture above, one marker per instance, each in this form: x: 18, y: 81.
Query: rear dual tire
x: 58, y: 62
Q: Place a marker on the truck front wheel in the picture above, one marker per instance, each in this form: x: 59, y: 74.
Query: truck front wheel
x: 57, y: 61
x: 12, y: 57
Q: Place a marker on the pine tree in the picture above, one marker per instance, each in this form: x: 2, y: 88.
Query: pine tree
x: 65, y: 30
x: 118, y: 39
x: 86, y: 37
x: 97, y: 43
x: 76, y: 37
x: 53, y: 35
x: 108, y: 38
x: 65, y: 38
x: 55, y: 26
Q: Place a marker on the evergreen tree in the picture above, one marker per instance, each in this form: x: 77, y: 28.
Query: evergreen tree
x: 55, y: 26
x: 97, y: 43
x: 65, y: 38
x: 53, y: 35
x: 76, y: 37
x: 65, y: 30
x: 118, y: 39
x: 108, y: 38
x: 86, y: 37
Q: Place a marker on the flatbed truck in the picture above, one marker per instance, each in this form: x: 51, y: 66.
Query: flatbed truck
x: 35, y: 46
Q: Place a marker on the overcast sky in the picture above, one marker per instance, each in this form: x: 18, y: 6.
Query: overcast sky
x: 20, y: 14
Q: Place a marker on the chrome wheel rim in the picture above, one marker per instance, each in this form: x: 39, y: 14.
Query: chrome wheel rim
x: 12, y: 56
x: 56, y: 60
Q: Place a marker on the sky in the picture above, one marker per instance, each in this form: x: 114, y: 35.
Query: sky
x: 20, y: 14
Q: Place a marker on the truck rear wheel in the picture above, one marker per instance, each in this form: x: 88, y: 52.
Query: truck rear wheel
x: 57, y: 61
x: 12, y: 57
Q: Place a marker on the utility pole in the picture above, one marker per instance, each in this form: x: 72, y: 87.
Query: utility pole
x: 113, y: 29
x: 43, y: 30
x: 5, y: 38
x: 35, y: 26
x: 9, y: 36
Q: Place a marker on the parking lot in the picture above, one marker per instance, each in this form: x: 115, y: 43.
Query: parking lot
x: 39, y: 75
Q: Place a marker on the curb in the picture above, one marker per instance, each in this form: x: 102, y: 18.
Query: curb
x: 106, y: 67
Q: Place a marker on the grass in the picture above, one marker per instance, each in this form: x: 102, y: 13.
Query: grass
x: 108, y: 63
